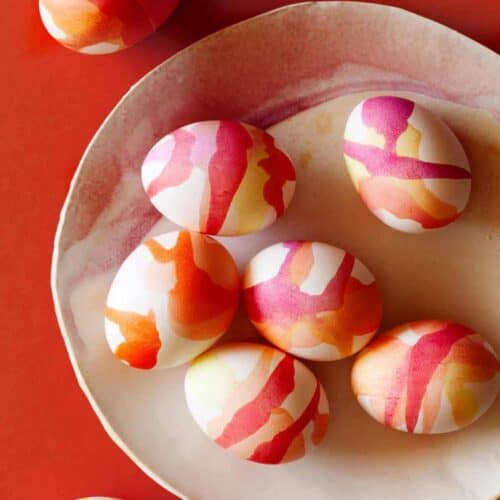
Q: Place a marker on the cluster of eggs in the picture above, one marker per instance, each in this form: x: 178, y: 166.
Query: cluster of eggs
x: 177, y: 293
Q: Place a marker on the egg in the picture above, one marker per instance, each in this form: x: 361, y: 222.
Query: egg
x: 311, y: 299
x: 257, y: 402
x: 427, y: 377
x: 103, y: 26
x: 171, y: 299
x: 407, y: 165
x: 219, y: 177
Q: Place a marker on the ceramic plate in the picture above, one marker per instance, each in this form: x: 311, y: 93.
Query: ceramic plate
x: 298, y: 70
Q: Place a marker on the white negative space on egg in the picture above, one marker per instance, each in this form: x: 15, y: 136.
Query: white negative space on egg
x: 309, y: 430
x: 128, y: 292
x: 100, y: 48
x: 304, y: 387
x: 360, y: 341
x: 437, y: 143
x: 265, y: 265
x: 357, y: 131
x: 409, y: 336
x: 453, y: 191
x: 327, y: 260
x: 206, y: 396
x: 444, y: 421
x: 50, y: 24
x: 184, y: 199
x: 362, y: 273
x: 405, y: 225
x: 156, y: 160
x: 205, y: 145
x: 321, y: 352
x: 185, y: 350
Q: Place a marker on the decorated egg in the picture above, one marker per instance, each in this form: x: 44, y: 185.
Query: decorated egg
x: 219, y: 177
x: 312, y: 299
x: 171, y: 299
x: 427, y: 377
x: 257, y: 402
x: 103, y: 26
x: 407, y: 165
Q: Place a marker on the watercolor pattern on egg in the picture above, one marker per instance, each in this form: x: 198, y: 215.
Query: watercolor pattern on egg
x: 103, y: 26
x: 427, y: 377
x: 311, y: 299
x: 406, y: 164
x: 257, y: 402
x: 171, y: 299
x: 219, y: 177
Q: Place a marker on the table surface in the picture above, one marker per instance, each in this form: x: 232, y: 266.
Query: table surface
x: 53, y: 100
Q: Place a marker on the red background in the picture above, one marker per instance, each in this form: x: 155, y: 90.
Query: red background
x: 52, y: 101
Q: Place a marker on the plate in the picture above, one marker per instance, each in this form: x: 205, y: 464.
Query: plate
x: 298, y: 70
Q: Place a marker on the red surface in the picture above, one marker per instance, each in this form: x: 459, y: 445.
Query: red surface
x: 52, y: 101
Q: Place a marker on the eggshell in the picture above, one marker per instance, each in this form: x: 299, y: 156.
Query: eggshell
x: 407, y: 165
x: 171, y: 299
x: 103, y: 26
x: 219, y: 177
x: 312, y: 299
x: 427, y: 377
x: 257, y: 402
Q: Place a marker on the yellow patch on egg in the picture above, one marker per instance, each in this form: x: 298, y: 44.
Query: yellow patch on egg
x: 373, y: 138
x: 249, y: 199
x: 425, y: 199
x: 357, y: 170
x: 210, y: 381
x: 408, y: 142
x: 463, y: 400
